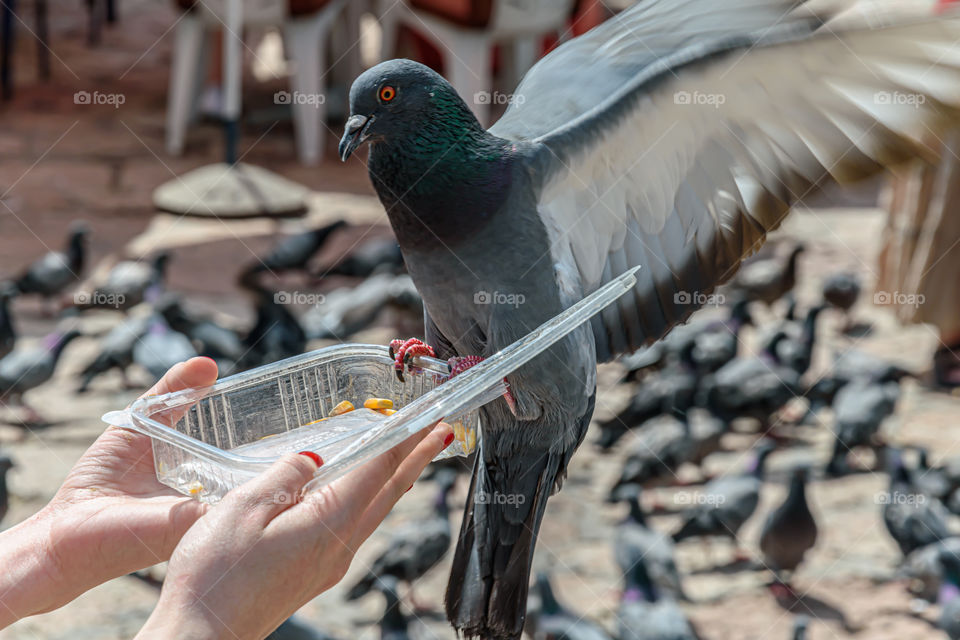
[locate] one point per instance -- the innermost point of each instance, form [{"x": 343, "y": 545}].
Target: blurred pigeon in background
[{"x": 54, "y": 272}]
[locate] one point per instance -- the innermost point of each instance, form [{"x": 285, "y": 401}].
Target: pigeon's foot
[
  {"x": 402, "y": 350},
  {"x": 459, "y": 364},
  {"x": 783, "y": 591},
  {"x": 741, "y": 555}
]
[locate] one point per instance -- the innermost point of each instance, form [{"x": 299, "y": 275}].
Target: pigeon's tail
[
  {"x": 362, "y": 588},
  {"x": 487, "y": 592},
  {"x": 698, "y": 525}
]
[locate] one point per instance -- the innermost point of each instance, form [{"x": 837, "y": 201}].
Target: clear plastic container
[{"x": 203, "y": 438}]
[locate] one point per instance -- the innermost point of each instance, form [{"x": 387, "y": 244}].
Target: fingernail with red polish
[
  {"x": 317, "y": 460},
  {"x": 448, "y": 440},
  {"x": 408, "y": 488}
]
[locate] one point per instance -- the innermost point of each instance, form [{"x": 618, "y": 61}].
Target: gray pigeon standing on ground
[
  {"x": 672, "y": 137},
  {"x": 789, "y": 532},
  {"x": 29, "y": 367},
  {"x": 51, "y": 274}
]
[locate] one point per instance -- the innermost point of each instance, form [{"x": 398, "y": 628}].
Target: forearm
[{"x": 30, "y": 581}]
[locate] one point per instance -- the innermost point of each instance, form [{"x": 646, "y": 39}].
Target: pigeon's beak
[{"x": 354, "y": 134}]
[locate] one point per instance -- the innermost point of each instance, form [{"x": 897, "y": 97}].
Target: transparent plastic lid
[{"x": 473, "y": 388}]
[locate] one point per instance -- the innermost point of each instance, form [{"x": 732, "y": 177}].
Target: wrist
[
  {"x": 31, "y": 580},
  {"x": 170, "y": 620}
]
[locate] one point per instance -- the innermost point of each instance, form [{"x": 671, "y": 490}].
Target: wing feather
[{"x": 699, "y": 152}]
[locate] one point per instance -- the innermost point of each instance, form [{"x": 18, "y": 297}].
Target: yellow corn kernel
[
  {"x": 309, "y": 423},
  {"x": 387, "y": 412},
  {"x": 341, "y": 408},
  {"x": 458, "y": 432},
  {"x": 378, "y": 403},
  {"x": 194, "y": 488},
  {"x": 471, "y": 441}
]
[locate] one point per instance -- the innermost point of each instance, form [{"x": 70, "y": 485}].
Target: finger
[
  {"x": 195, "y": 372},
  {"x": 275, "y": 490},
  {"x": 402, "y": 480},
  {"x": 363, "y": 484}
]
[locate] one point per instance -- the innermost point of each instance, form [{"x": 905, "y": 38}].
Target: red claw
[{"x": 402, "y": 350}]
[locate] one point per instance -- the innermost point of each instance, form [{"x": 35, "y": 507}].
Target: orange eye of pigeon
[{"x": 387, "y": 93}]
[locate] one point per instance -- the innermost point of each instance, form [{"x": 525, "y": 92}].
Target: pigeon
[
  {"x": 769, "y": 279},
  {"x": 394, "y": 624},
  {"x": 553, "y": 621},
  {"x": 795, "y": 348},
  {"x": 935, "y": 482},
  {"x": 292, "y": 252},
  {"x": 612, "y": 156},
  {"x": 800, "y": 625},
  {"x": 860, "y": 409},
  {"x": 375, "y": 256},
  {"x": 161, "y": 347},
  {"x": 671, "y": 391},
  {"x": 8, "y": 332},
  {"x": 635, "y": 542},
  {"x": 6, "y": 463},
  {"x": 54, "y": 272},
  {"x": 949, "y": 596},
  {"x": 726, "y": 503},
  {"x": 115, "y": 350},
  {"x": 841, "y": 291},
  {"x": 29, "y": 367},
  {"x": 645, "y": 614},
  {"x": 661, "y": 445},
  {"x": 345, "y": 311},
  {"x": 912, "y": 519},
  {"x": 849, "y": 366},
  {"x": 275, "y": 335},
  {"x": 209, "y": 338},
  {"x": 923, "y": 570},
  {"x": 719, "y": 342},
  {"x": 755, "y": 387},
  {"x": 127, "y": 284},
  {"x": 415, "y": 548},
  {"x": 789, "y": 531}
]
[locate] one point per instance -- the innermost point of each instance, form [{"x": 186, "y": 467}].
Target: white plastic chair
[
  {"x": 305, "y": 38},
  {"x": 466, "y": 52}
]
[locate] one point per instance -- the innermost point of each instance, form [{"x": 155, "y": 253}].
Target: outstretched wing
[{"x": 691, "y": 156}]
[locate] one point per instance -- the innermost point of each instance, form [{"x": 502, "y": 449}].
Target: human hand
[
  {"x": 111, "y": 516},
  {"x": 253, "y": 560}
]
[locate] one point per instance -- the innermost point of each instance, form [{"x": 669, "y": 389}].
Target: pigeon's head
[{"x": 397, "y": 100}]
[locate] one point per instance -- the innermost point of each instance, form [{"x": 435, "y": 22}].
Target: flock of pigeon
[
  {"x": 157, "y": 330},
  {"x": 689, "y": 390}
]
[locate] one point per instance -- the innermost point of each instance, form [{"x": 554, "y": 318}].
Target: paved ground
[{"x": 60, "y": 161}]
